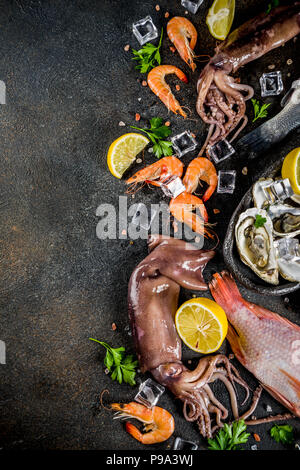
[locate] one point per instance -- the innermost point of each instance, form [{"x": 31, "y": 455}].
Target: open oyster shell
[
  {"x": 256, "y": 245},
  {"x": 285, "y": 219}
]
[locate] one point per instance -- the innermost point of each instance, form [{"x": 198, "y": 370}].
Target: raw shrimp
[
  {"x": 182, "y": 209},
  {"x": 159, "y": 171},
  {"x": 157, "y": 83},
  {"x": 201, "y": 169},
  {"x": 158, "y": 422},
  {"x": 180, "y": 31}
]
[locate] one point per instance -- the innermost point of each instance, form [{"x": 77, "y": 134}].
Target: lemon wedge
[
  {"x": 201, "y": 324},
  {"x": 220, "y": 17},
  {"x": 123, "y": 152},
  {"x": 291, "y": 169}
]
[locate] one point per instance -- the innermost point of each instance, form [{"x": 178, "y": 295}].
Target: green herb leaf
[
  {"x": 230, "y": 437},
  {"x": 157, "y": 133},
  {"x": 148, "y": 56},
  {"x": 122, "y": 368},
  {"x": 260, "y": 111},
  {"x": 259, "y": 221},
  {"x": 273, "y": 4},
  {"x": 282, "y": 434}
]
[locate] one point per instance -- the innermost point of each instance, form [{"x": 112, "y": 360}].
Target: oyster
[
  {"x": 255, "y": 244},
  {"x": 285, "y": 219}
]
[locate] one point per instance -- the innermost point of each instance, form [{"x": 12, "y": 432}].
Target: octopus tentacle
[
  {"x": 215, "y": 401},
  {"x": 231, "y": 392}
]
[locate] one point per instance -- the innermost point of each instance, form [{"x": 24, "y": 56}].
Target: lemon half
[
  {"x": 291, "y": 169},
  {"x": 220, "y": 17},
  {"x": 201, "y": 324},
  {"x": 123, "y": 152}
]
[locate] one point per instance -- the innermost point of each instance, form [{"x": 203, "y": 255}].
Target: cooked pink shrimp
[
  {"x": 159, "y": 424},
  {"x": 201, "y": 169},
  {"x": 159, "y": 171},
  {"x": 182, "y": 209},
  {"x": 157, "y": 83},
  {"x": 180, "y": 31}
]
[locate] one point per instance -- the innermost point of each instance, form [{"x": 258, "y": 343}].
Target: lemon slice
[
  {"x": 123, "y": 152},
  {"x": 201, "y": 324},
  {"x": 220, "y": 17},
  {"x": 291, "y": 169}
]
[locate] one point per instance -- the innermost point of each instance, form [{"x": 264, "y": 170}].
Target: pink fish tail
[{"x": 225, "y": 291}]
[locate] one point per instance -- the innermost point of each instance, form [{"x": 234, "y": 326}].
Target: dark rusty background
[{"x": 69, "y": 83}]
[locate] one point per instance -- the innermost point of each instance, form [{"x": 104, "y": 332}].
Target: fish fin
[
  {"x": 295, "y": 383},
  {"x": 281, "y": 398},
  {"x": 257, "y": 141},
  {"x": 224, "y": 290},
  {"x": 262, "y": 312},
  {"x": 234, "y": 341}
]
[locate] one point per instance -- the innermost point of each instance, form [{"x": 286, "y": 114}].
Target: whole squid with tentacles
[
  {"x": 221, "y": 100},
  {"x": 152, "y": 303}
]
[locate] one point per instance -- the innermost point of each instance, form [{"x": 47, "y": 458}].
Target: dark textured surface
[
  {"x": 69, "y": 82},
  {"x": 231, "y": 256}
]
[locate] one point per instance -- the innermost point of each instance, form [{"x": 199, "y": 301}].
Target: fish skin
[
  {"x": 272, "y": 131},
  {"x": 267, "y": 344}
]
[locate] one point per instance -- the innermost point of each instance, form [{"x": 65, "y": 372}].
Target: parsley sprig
[
  {"x": 273, "y": 4},
  {"x": 259, "y": 221},
  {"x": 260, "y": 110},
  {"x": 282, "y": 434},
  {"x": 148, "y": 56},
  {"x": 122, "y": 367},
  {"x": 230, "y": 437},
  {"x": 157, "y": 133}
]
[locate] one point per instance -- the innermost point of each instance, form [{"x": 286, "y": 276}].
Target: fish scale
[{"x": 262, "y": 341}]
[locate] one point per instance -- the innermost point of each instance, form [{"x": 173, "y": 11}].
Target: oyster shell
[
  {"x": 285, "y": 219},
  {"x": 256, "y": 245}
]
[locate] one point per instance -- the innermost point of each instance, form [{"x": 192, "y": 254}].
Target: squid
[
  {"x": 152, "y": 303},
  {"x": 221, "y": 100}
]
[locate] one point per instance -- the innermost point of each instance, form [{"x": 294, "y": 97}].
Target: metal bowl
[{"x": 232, "y": 259}]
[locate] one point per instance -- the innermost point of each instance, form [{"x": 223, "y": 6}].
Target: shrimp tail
[{"x": 134, "y": 431}]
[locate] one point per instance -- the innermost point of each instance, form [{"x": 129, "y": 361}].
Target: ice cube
[
  {"x": 279, "y": 190},
  {"x": 183, "y": 143},
  {"x": 288, "y": 248},
  {"x": 172, "y": 186},
  {"x": 182, "y": 444},
  {"x": 221, "y": 151},
  {"x": 191, "y": 6},
  {"x": 271, "y": 84},
  {"x": 149, "y": 393},
  {"x": 254, "y": 447},
  {"x": 141, "y": 217},
  {"x": 145, "y": 30},
  {"x": 226, "y": 181}
]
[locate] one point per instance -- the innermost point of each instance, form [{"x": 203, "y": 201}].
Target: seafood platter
[
  {"x": 261, "y": 247},
  {"x": 159, "y": 292}
]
